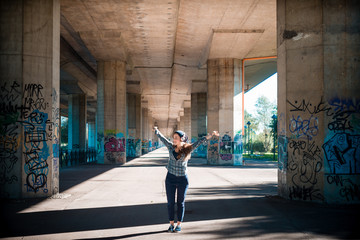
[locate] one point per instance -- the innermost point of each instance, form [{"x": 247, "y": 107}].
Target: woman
[{"x": 176, "y": 178}]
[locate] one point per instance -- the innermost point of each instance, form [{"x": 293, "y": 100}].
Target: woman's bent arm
[
  {"x": 198, "y": 143},
  {"x": 204, "y": 139}
]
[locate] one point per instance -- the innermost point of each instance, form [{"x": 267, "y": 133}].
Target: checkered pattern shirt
[{"x": 178, "y": 167}]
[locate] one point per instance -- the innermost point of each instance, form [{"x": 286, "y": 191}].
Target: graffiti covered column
[
  {"x": 198, "y": 122},
  {"x": 29, "y": 98},
  {"x": 151, "y": 123},
  {"x": 111, "y": 112},
  {"x": 134, "y": 125},
  {"x": 319, "y": 103},
  {"x": 223, "y": 74},
  {"x": 91, "y": 131},
  {"x": 144, "y": 128},
  {"x": 77, "y": 121}
]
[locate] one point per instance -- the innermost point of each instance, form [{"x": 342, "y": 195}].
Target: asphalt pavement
[{"x": 129, "y": 202}]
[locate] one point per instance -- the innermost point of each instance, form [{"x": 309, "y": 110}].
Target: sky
[{"x": 267, "y": 88}]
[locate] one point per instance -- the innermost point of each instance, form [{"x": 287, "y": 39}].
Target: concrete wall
[
  {"x": 29, "y": 98},
  {"x": 318, "y": 100}
]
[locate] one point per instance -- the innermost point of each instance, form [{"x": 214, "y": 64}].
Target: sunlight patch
[{"x": 60, "y": 196}]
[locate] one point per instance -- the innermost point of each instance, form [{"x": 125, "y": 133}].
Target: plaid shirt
[{"x": 178, "y": 167}]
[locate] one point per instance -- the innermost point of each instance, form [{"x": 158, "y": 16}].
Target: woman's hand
[{"x": 214, "y": 133}]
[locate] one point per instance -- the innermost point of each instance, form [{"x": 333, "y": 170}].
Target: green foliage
[
  {"x": 258, "y": 146},
  {"x": 265, "y": 156},
  {"x": 248, "y": 117},
  {"x": 264, "y": 111}
]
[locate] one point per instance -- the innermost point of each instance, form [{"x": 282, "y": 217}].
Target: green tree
[
  {"x": 248, "y": 117},
  {"x": 273, "y": 127},
  {"x": 264, "y": 111},
  {"x": 249, "y": 136}
]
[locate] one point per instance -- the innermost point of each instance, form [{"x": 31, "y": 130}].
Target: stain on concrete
[{"x": 289, "y": 34}]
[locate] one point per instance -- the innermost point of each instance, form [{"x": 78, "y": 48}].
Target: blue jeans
[{"x": 172, "y": 183}]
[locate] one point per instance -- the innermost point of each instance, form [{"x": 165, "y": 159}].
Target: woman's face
[{"x": 177, "y": 139}]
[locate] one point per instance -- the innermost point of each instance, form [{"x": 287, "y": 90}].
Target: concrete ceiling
[{"x": 166, "y": 44}]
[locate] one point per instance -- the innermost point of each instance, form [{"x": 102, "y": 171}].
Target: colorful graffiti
[
  {"x": 113, "y": 144},
  {"x": 304, "y": 128},
  {"x": 299, "y": 155},
  {"x": 282, "y": 153},
  {"x": 201, "y": 150},
  {"x": 226, "y": 148},
  {"x": 29, "y": 108},
  {"x": 304, "y": 164},
  {"x": 238, "y": 144},
  {"x": 213, "y": 151},
  {"x": 344, "y": 115},
  {"x": 144, "y": 146},
  {"x": 345, "y": 186},
  {"x": 10, "y": 108},
  {"x": 100, "y": 144},
  {"x": 342, "y": 152},
  {"x": 337, "y": 158},
  {"x": 36, "y": 150},
  {"x": 133, "y": 148},
  {"x": 342, "y": 149},
  {"x": 238, "y": 150},
  {"x": 114, "y": 147}
]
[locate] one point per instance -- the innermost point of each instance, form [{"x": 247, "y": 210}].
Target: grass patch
[{"x": 262, "y": 156}]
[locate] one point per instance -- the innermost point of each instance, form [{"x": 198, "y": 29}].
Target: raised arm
[
  {"x": 203, "y": 139},
  {"x": 166, "y": 142}
]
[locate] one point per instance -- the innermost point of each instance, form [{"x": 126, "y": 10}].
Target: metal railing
[{"x": 75, "y": 157}]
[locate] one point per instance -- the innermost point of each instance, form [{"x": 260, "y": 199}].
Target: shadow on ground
[
  {"x": 250, "y": 212},
  {"x": 253, "y": 216}
]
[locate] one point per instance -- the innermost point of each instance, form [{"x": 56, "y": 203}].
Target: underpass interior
[{"x": 116, "y": 69}]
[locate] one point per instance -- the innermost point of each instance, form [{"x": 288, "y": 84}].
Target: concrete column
[
  {"x": 145, "y": 131},
  {"x": 223, "y": 75},
  {"x": 91, "y": 134},
  {"x": 198, "y": 122},
  {"x": 151, "y": 133},
  {"x": 181, "y": 125},
  {"x": 77, "y": 122},
  {"x": 318, "y": 100},
  {"x": 187, "y": 121},
  {"x": 29, "y": 98},
  {"x": 111, "y": 112},
  {"x": 134, "y": 125}
]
